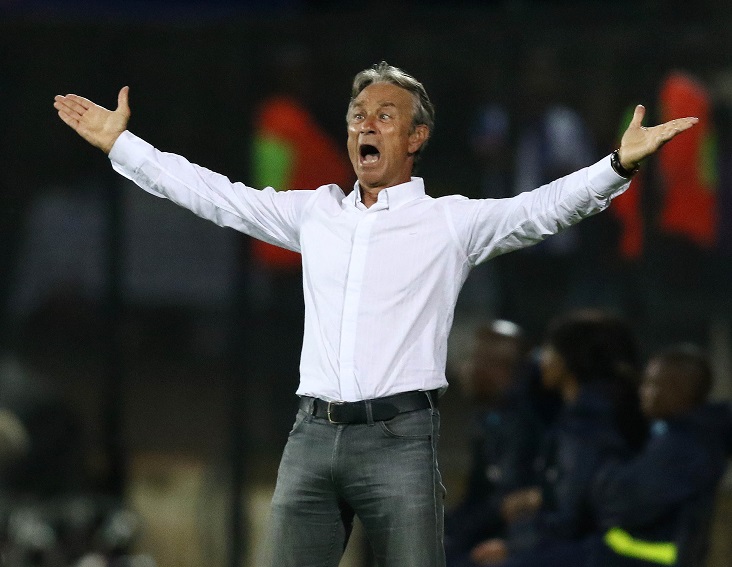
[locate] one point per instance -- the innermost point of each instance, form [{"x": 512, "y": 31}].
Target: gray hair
[{"x": 423, "y": 109}]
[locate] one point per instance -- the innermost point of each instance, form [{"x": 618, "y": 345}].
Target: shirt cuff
[
  {"x": 604, "y": 180},
  {"x": 127, "y": 149}
]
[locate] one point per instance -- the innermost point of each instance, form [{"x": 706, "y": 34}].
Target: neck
[{"x": 369, "y": 196}]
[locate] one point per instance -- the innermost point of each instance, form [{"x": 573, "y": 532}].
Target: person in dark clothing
[
  {"x": 657, "y": 507},
  {"x": 505, "y": 437},
  {"x": 591, "y": 359}
]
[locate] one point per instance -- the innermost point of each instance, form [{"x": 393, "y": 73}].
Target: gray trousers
[{"x": 385, "y": 472}]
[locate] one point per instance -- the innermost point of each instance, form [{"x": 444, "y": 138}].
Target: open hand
[
  {"x": 97, "y": 125},
  {"x": 639, "y": 142}
]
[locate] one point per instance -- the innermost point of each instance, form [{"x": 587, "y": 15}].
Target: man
[
  {"x": 505, "y": 437},
  {"x": 589, "y": 357},
  {"x": 657, "y": 507},
  {"x": 382, "y": 268}
]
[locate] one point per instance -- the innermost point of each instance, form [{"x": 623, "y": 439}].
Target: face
[
  {"x": 663, "y": 392},
  {"x": 553, "y": 368},
  {"x": 489, "y": 372},
  {"x": 381, "y": 139}
]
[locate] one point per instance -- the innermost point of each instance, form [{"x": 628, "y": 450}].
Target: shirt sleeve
[
  {"x": 268, "y": 215},
  {"x": 487, "y": 228}
]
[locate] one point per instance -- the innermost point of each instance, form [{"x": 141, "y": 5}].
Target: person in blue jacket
[
  {"x": 657, "y": 507},
  {"x": 504, "y": 439},
  {"x": 591, "y": 359}
]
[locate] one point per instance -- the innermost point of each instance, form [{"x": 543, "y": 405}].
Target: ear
[{"x": 418, "y": 137}]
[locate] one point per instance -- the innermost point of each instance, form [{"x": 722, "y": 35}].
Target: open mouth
[{"x": 369, "y": 154}]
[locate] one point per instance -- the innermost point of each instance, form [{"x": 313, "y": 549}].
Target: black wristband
[{"x": 618, "y": 167}]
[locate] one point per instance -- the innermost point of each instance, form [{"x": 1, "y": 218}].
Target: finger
[
  {"x": 69, "y": 119},
  {"x": 62, "y": 105},
  {"x": 685, "y": 123},
  {"x": 73, "y": 105},
  {"x": 59, "y": 102},
  {"x": 638, "y": 115},
  {"x": 123, "y": 99},
  {"x": 80, "y": 100},
  {"x": 674, "y": 127}
]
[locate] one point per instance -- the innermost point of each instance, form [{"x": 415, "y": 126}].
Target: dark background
[{"x": 142, "y": 320}]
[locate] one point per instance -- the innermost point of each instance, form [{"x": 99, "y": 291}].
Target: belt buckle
[{"x": 330, "y": 418}]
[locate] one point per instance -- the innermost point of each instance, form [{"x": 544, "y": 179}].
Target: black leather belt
[{"x": 382, "y": 409}]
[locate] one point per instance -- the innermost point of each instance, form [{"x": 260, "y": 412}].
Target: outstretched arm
[
  {"x": 266, "y": 215},
  {"x": 490, "y": 227},
  {"x": 639, "y": 142},
  {"x": 97, "y": 125}
]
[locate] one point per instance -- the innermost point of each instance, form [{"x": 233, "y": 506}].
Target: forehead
[{"x": 384, "y": 94}]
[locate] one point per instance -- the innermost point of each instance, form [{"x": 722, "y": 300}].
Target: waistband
[{"x": 368, "y": 411}]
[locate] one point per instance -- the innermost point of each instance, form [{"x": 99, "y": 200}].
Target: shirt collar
[{"x": 392, "y": 197}]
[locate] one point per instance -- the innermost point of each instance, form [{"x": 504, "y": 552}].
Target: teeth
[{"x": 371, "y": 158}]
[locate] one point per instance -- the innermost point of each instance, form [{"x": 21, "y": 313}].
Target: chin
[{"x": 369, "y": 182}]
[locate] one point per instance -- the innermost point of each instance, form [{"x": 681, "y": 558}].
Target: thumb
[
  {"x": 123, "y": 99},
  {"x": 638, "y": 115}
]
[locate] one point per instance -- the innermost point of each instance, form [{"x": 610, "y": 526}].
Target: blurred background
[{"x": 148, "y": 359}]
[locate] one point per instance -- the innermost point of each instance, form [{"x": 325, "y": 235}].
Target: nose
[{"x": 368, "y": 126}]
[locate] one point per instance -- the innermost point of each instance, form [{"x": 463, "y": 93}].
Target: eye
[
  {"x": 357, "y": 116},
  {"x": 384, "y": 116}
]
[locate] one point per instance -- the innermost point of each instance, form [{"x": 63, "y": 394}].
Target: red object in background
[
  {"x": 686, "y": 167},
  {"x": 685, "y": 164},
  {"x": 316, "y": 160},
  {"x": 627, "y": 208}
]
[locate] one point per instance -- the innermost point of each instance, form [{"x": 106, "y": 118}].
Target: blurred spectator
[
  {"x": 688, "y": 171},
  {"x": 290, "y": 150},
  {"x": 591, "y": 358},
  {"x": 657, "y": 507},
  {"x": 687, "y": 180},
  {"x": 552, "y": 140},
  {"x": 491, "y": 145},
  {"x": 504, "y": 441},
  {"x": 680, "y": 227}
]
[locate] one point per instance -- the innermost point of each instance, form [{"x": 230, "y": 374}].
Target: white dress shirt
[{"x": 380, "y": 283}]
